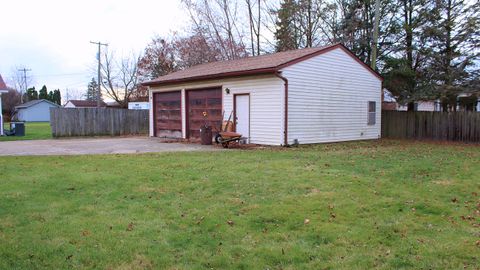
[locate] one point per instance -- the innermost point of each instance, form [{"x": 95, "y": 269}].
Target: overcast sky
[{"x": 51, "y": 37}]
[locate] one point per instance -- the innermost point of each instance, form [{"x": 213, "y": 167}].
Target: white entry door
[{"x": 242, "y": 115}]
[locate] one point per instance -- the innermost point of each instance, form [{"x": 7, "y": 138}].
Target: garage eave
[{"x": 212, "y": 77}]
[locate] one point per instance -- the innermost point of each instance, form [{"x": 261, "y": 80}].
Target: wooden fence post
[
  {"x": 451, "y": 126},
  {"x": 68, "y": 122}
]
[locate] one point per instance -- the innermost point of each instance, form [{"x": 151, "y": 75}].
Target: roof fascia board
[{"x": 262, "y": 71}]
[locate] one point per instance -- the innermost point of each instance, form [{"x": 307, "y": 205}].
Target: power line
[
  {"x": 24, "y": 70},
  {"x": 99, "y": 94},
  {"x": 63, "y": 75}
]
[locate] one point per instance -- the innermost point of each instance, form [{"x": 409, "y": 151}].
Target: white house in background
[
  {"x": 138, "y": 105},
  {"x": 424, "y": 106},
  {"x": 35, "y": 111},
  {"x": 83, "y": 104},
  {"x": 390, "y": 104},
  {"x": 3, "y": 90},
  {"x": 312, "y": 95}
]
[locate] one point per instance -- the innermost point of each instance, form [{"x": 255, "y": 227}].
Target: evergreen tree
[
  {"x": 30, "y": 95},
  {"x": 57, "y": 97},
  {"x": 286, "y": 35},
  {"x": 43, "y": 93},
  {"x": 92, "y": 89},
  {"x": 356, "y": 27},
  {"x": 454, "y": 49},
  {"x": 50, "y": 96},
  {"x": 404, "y": 71}
]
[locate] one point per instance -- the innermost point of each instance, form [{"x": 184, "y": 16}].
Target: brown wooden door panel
[
  {"x": 200, "y": 101},
  {"x": 168, "y": 114}
]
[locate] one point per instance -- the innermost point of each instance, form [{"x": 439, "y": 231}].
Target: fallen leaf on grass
[
  {"x": 200, "y": 220},
  {"x": 130, "y": 227},
  {"x": 230, "y": 222},
  {"x": 86, "y": 233}
]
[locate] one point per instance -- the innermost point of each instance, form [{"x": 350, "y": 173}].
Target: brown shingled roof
[
  {"x": 3, "y": 86},
  {"x": 264, "y": 64}
]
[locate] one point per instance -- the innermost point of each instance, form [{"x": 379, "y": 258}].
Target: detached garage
[{"x": 312, "y": 95}]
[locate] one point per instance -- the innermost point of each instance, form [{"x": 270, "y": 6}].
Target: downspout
[
  {"x": 285, "y": 138},
  {"x": 151, "y": 115}
]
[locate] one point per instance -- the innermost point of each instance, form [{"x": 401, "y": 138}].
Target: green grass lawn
[
  {"x": 361, "y": 205},
  {"x": 33, "y": 131}
]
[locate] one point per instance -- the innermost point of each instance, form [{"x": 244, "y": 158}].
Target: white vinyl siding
[
  {"x": 328, "y": 99},
  {"x": 69, "y": 105},
  {"x": 422, "y": 106},
  {"x": 266, "y": 104},
  {"x": 39, "y": 112}
]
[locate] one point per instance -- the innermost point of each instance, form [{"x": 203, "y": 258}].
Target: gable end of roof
[
  {"x": 33, "y": 103},
  {"x": 331, "y": 48}
]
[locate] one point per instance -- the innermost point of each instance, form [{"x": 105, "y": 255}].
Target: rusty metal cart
[{"x": 225, "y": 138}]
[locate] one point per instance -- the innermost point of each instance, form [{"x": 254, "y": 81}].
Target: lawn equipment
[{"x": 224, "y": 136}]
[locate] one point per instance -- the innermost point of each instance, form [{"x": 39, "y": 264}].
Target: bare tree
[
  {"x": 158, "y": 59},
  {"x": 9, "y": 100},
  {"x": 163, "y": 56},
  {"x": 17, "y": 79},
  {"x": 218, "y": 21},
  {"x": 194, "y": 50},
  {"x": 120, "y": 77},
  {"x": 255, "y": 22}
]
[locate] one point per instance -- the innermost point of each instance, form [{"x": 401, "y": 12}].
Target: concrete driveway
[{"x": 94, "y": 146}]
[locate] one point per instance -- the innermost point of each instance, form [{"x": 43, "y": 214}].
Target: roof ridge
[
  {"x": 262, "y": 56},
  {"x": 250, "y": 59},
  {"x": 34, "y": 102}
]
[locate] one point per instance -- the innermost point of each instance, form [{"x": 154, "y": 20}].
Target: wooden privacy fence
[
  {"x": 451, "y": 126},
  {"x": 68, "y": 122}
]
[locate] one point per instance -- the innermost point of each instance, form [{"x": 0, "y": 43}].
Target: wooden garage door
[
  {"x": 168, "y": 114},
  {"x": 200, "y": 101}
]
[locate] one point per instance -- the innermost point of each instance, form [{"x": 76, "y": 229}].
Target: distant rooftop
[
  {"x": 86, "y": 103},
  {"x": 3, "y": 86},
  {"x": 33, "y": 103}
]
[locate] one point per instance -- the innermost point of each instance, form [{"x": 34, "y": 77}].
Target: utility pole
[
  {"x": 375, "y": 35},
  {"x": 68, "y": 96},
  {"x": 24, "y": 70},
  {"x": 99, "y": 58}
]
